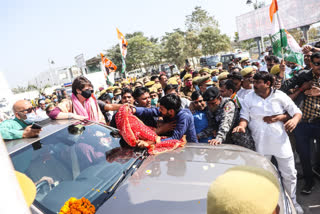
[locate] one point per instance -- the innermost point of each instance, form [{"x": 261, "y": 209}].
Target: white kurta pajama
[{"x": 272, "y": 139}]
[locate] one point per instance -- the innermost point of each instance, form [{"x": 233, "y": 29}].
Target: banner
[
  {"x": 283, "y": 43},
  {"x": 295, "y": 13}
]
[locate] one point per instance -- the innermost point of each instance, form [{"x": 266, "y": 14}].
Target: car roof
[
  {"x": 48, "y": 127},
  {"x": 178, "y": 181}
]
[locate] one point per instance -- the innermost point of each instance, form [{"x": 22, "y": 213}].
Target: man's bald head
[
  {"x": 21, "y": 105},
  {"x": 20, "y": 109}
]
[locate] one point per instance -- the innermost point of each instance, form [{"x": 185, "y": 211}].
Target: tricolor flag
[
  {"x": 283, "y": 43},
  {"x": 110, "y": 68},
  {"x": 123, "y": 43}
]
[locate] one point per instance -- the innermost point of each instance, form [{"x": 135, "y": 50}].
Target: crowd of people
[{"x": 271, "y": 108}]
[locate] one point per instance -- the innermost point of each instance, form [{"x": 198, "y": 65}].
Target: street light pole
[{"x": 258, "y": 39}]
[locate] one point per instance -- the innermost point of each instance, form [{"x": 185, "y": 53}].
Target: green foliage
[
  {"x": 174, "y": 45},
  {"x": 202, "y": 37},
  {"x": 200, "y": 19},
  {"x": 213, "y": 42}
]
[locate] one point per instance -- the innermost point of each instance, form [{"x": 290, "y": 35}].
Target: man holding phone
[{"x": 21, "y": 126}]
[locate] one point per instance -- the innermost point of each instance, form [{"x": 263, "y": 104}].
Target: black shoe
[
  {"x": 307, "y": 188},
  {"x": 316, "y": 171}
]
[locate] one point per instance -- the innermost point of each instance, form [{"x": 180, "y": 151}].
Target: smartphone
[{"x": 36, "y": 126}]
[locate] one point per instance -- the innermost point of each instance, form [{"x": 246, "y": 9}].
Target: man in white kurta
[{"x": 263, "y": 111}]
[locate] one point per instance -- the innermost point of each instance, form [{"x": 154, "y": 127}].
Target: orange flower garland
[{"x": 77, "y": 206}]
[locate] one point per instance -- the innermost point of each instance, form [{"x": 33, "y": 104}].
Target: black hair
[
  {"x": 153, "y": 78},
  {"x": 315, "y": 55},
  {"x": 228, "y": 84},
  {"x": 195, "y": 95},
  {"x": 106, "y": 97},
  {"x": 195, "y": 73},
  {"x": 140, "y": 91},
  {"x": 171, "y": 101},
  {"x": 234, "y": 68},
  {"x": 161, "y": 76},
  {"x": 79, "y": 83},
  {"x": 265, "y": 76},
  {"x": 235, "y": 75},
  {"x": 169, "y": 87},
  {"x": 272, "y": 58},
  {"x": 126, "y": 90}
]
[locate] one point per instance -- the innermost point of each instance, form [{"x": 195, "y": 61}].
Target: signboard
[
  {"x": 293, "y": 14},
  {"x": 80, "y": 61}
]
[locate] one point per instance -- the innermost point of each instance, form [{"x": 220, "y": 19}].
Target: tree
[
  {"x": 296, "y": 33},
  {"x": 174, "y": 44},
  {"x": 212, "y": 41},
  {"x": 192, "y": 45},
  {"x": 200, "y": 19},
  {"x": 313, "y": 34}
]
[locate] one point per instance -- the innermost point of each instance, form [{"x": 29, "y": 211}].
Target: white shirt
[
  {"x": 243, "y": 92},
  {"x": 270, "y": 139},
  {"x": 42, "y": 114}
]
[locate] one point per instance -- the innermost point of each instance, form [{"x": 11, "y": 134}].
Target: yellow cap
[
  {"x": 204, "y": 79},
  {"x": 243, "y": 190},
  {"x": 202, "y": 70},
  {"x": 153, "y": 90},
  {"x": 223, "y": 75},
  {"x": 215, "y": 71},
  {"x": 246, "y": 71},
  {"x": 244, "y": 59},
  {"x": 110, "y": 88},
  {"x": 275, "y": 69},
  {"x": 150, "y": 83},
  {"x": 27, "y": 186},
  {"x": 172, "y": 81},
  {"x": 125, "y": 82},
  {"x": 187, "y": 76},
  {"x": 219, "y": 64},
  {"x": 157, "y": 86},
  {"x": 47, "y": 101}
]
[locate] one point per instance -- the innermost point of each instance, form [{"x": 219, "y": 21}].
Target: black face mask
[{"x": 87, "y": 93}]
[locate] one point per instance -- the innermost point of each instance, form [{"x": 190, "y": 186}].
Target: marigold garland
[{"x": 77, "y": 206}]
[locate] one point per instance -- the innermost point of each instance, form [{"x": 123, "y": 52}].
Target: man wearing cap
[
  {"x": 41, "y": 111},
  {"x": 204, "y": 71},
  {"x": 223, "y": 76},
  {"x": 188, "y": 87},
  {"x": 203, "y": 83},
  {"x": 149, "y": 84},
  {"x": 219, "y": 66},
  {"x": 244, "y": 62},
  {"x": 260, "y": 112},
  {"x": 222, "y": 117},
  {"x": 247, "y": 86}
]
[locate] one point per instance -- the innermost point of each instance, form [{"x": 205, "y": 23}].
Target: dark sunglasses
[
  {"x": 200, "y": 101},
  {"x": 29, "y": 110},
  {"x": 316, "y": 63}
]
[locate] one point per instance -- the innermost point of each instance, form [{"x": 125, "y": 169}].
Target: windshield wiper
[{"x": 130, "y": 169}]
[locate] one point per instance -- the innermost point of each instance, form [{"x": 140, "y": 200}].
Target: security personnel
[
  {"x": 223, "y": 116},
  {"x": 188, "y": 88}
]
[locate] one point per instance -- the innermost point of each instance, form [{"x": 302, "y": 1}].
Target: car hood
[{"x": 178, "y": 181}]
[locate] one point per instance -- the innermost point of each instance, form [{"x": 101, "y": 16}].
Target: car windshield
[
  {"x": 212, "y": 59},
  {"x": 81, "y": 160}
]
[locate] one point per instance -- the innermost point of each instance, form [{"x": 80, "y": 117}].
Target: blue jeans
[{"x": 304, "y": 133}]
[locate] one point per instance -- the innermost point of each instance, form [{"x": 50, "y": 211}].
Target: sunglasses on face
[
  {"x": 199, "y": 101},
  {"x": 27, "y": 111},
  {"x": 316, "y": 63}
]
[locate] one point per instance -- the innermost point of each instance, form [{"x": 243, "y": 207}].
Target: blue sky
[{"x": 35, "y": 30}]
